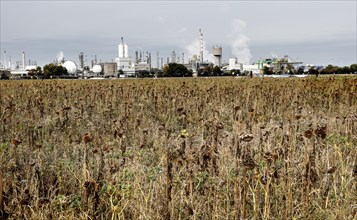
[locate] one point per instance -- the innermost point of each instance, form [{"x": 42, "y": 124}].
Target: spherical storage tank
[
  {"x": 97, "y": 69},
  {"x": 70, "y": 66}
]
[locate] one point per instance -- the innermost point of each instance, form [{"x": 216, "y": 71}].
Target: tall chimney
[
  {"x": 23, "y": 60},
  {"x": 5, "y": 61},
  {"x": 201, "y": 45}
]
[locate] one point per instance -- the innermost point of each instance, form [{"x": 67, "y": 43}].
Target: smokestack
[
  {"x": 201, "y": 45},
  {"x": 23, "y": 60},
  {"x": 5, "y": 66}
]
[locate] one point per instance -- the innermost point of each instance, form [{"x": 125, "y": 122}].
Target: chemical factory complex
[{"x": 125, "y": 65}]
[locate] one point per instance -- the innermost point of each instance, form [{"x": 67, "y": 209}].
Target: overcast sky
[{"x": 314, "y": 32}]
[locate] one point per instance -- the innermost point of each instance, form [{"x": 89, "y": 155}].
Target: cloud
[
  {"x": 239, "y": 42},
  {"x": 161, "y": 19}
]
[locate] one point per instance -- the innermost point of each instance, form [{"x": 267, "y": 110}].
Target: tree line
[
  {"x": 315, "y": 70},
  {"x": 180, "y": 70}
]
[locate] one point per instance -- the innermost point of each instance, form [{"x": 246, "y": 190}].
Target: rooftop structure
[{"x": 217, "y": 53}]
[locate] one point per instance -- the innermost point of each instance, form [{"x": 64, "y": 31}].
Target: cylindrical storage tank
[
  {"x": 31, "y": 67},
  {"x": 217, "y": 51},
  {"x": 70, "y": 66},
  {"x": 97, "y": 69},
  {"x": 217, "y": 60},
  {"x": 126, "y": 51},
  {"x": 121, "y": 50}
]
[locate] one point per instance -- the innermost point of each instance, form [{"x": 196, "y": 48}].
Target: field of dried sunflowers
[{"x": 221, "y": 148}]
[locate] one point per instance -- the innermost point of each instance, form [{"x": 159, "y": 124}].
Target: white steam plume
[
  {"x": 194, "y": 48},
  {"x": 60, "y": 57},
  {"x": 240, "y": 42}
]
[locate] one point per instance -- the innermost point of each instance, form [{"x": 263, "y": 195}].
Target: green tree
[
  {"x": 205, "y": 70},
  {"x": 144, "y": 73},
  {"x": 300, "y": 70},
  {"x": 165, "y": 71},
  {"x": 331, "y": 69},
  {"x": 267, "y": 71},
  {"x": 345, "y": 70},
  {"x": 35, "y": 72},
  {"x": 176, "y": 70},
  {"x": 235, "y": 72},
  {"x": 313, "y": 71},
  {"x": 353, "y": 68},
  {"x": 217, "y": 71},
  {"x": 53, "y": 70},
  {"x": 120, "y": 72}
]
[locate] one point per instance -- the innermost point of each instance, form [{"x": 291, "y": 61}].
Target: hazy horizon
[{"x": 314, "y": 32}]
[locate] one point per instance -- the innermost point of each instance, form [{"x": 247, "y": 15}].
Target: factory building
[
  {"x": 276, "y": 64},
  {"x": 109, "y": 69},
  {"x": 243, "y": 68},
  {"x": 254, "y": 69},
  {"x": 21, "y": 68},
  {"x": 123, "y": 60},
  {"x": 142, "y": 66},
  {"x": 234, "y": 65}
]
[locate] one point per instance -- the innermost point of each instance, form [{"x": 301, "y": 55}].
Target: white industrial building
[
  {"x": 251, "y": 68},
  {"x": 123, "y": 60},
  {"x": 20, "y": 70},
  {"x": 234, "y": 65}
]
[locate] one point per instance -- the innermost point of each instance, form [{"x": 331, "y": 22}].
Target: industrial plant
[{"x": 124, "y": 65}]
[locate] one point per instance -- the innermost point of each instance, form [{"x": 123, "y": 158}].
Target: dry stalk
[
  {"x": 267, "y": 194},
  {"x": 1, "y": 196},
  {"x": 236, "y": 183},
  {"x": 244, "y": 199},
  {"x": 213, "y": 149},
  {"x": 327, "y": 190},
  {"x": 308, "y": 182},
  {"x": 99, "y": 179},
  {"x": 310, "y": 175},
  {"x": 168, "y": 184},
  {"x": 288, "y": 203}
]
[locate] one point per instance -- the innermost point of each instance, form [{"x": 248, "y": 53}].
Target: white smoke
[
  {"x": 240, "y": 42},
  {"x": 194, "y": 49},
  {"x": 60, "y": 57}
]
